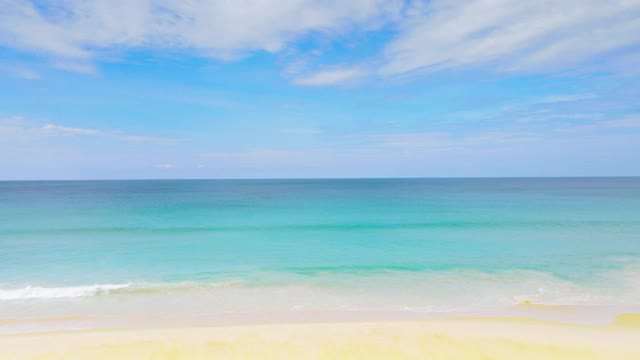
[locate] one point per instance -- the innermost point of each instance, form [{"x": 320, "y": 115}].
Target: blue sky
[{"x": 296, "y": 88}]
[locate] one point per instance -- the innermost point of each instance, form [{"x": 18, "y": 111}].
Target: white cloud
[
  {"x": 21, "y": 72},
  {"x": 505, "y": 35},
  {"x": 430, "y": 35},
  {"x": 82, "y": 67},
  {"x": 626, "y": 122},
  {"x": 513, "y": 34},
  {"x": 329, "y": 77},
  {"x": 18, "y": 129},
  {"x": 164, "y": 166},
  {"x": 539, "y": 109},
  {"x": 554, "y": 99},
  {"x": 53, "y": 129},
  {"x": 75, "y": 31},
  {"x": 62, "y": 130},
  {"x": 443, "y": 141}
]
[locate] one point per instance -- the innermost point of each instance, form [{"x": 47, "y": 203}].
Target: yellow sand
[{"x": 430, "y": 339}]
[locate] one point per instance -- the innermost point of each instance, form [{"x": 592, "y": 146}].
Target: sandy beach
[
  {"x": 304, "y": 179},
  {"x": 432, "y": 339}
]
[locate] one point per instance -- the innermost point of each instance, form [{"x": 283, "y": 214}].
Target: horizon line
[{"x": 338, "y": 178}]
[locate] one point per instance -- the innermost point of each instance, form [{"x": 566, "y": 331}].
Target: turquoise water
[{"x": 361, "y": 243}]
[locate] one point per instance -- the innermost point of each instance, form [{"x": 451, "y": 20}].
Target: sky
[{"x": 139, "y": 89}]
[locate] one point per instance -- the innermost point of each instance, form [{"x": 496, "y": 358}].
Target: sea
[{"x": 124, "y": 252}]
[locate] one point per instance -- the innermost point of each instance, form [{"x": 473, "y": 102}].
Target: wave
[
  {"x": 68, "y": 292},
  {"x": 396, "y": 284},
  {"x": 36, "y": 292}
]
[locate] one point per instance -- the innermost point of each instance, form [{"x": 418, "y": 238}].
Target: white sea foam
[{"x": 36, "y": 292}]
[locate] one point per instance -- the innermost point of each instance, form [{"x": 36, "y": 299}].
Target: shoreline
[
  {"x": 453, "y": 338},
  {"x": 179, "y": 318}
]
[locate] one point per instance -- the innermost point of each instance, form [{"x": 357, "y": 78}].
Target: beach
[
  {"x": 359, "y": 268},
  {"x": 300, "y": 179},
  {"x": 427, "y": 339}
]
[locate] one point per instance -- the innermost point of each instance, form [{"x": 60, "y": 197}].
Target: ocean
[{"x": 211, "y": 248}]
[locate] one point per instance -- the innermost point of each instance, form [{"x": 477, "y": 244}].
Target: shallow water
[{"x": 426, "y": 245}]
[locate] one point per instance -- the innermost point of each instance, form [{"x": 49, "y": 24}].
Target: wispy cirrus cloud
[
  {"x": 330, "y": 77},
  {"x": 626, "y": 122},
  {"x": 629, "y": 124},
  {"x": 427, "y": 36},
  {"x": 444, "y": 141},
  {"x": 58, "y": 130},
  {"x": 74, "y": 33},
  {"x": 81, "y": 67},
  {"x": 63, "y": 130},
  {"x": 563, "y": 98},
  {"x": 503, "y": 36},
  {"x": 510, "y": 34},
  {"x": 18, "y": 129},
  {"x": 540, "y": 109},
  {"x": 21, "y": 71}
]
